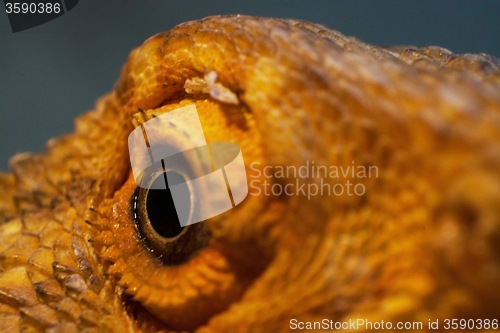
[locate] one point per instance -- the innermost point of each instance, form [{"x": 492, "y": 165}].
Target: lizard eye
[
  {"x": 182, "y": 276},
  {"x": 159, "y": 223},
  {"x": 160, "y": 208}
]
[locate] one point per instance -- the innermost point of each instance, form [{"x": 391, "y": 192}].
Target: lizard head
[{"x": 80, "y": 242}]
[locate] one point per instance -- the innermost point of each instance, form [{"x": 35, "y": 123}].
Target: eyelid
[{"x": 150, "y": 142}]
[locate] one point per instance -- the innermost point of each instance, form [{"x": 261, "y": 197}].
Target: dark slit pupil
[{"x": 161, "y": 208}]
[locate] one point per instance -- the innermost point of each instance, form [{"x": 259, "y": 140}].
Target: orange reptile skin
[{"x": 421, "y": 243}]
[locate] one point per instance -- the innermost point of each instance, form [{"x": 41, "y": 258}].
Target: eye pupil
[
  {"x": 161, "y": 208},
  {"x": 159, "y": 217}
]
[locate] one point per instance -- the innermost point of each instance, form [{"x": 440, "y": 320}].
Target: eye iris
[{"x": 160, "y": 205}]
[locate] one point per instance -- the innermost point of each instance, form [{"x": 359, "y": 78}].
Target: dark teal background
[{"x": 51, "y": 73}]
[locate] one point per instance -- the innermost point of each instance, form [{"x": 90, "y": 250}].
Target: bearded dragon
[{"x": 78, "y": 252}]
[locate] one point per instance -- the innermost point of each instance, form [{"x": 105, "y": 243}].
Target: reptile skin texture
[{"x": 422, "y": 243}]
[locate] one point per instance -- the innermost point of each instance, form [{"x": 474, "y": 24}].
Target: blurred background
[{"x": 53, "y": 72}]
